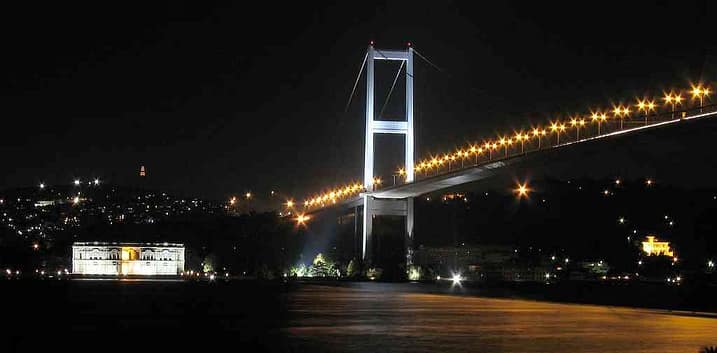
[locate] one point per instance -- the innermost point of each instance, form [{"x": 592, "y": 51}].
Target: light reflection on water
[{"x": 378, "y": 318}]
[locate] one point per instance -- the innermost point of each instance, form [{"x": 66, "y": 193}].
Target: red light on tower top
[{"x": 408, "y": 44}]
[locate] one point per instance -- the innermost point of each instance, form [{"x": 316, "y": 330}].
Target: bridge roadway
[{"x": 488, "y": 169}]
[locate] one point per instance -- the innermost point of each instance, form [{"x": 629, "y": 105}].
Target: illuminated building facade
[
  {"x": 654, "y": 247},
  {"x": 146, "y": 259}
]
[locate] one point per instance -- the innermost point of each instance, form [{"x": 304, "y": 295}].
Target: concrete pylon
[{"x": 374, "y": 125}]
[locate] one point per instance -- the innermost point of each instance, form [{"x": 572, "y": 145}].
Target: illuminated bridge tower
[{"x": 374, "y": 125}]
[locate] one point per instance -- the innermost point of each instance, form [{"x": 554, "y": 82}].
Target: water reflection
[{"x": 379, "y": 317}]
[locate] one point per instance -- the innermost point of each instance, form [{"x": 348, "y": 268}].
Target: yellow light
[
  {"x": 696, "y": 91},
  {"x": 247, "y": 195},
  {"x": 301, "y": 219},
  {"x": 289, "y": 204},
  {"x": 522, "y": 190},
  {"x": 553, "y": 127},
  {"x": 641, "y": 104}
]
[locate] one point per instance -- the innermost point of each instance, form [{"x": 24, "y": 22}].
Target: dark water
[{"x": 364, "y": 317}]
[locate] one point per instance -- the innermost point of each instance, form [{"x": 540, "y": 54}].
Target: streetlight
[
  {"x": 700, "y": 92},
  {"x": 289, "y": 204},
  {"x": 598, "y": 118},
  {"x": 673, "y": 99},
  {"x": 476, "y": 151},
  {"x": 77, "y": 182},
  {"x": 506, "y": 142},
  {"x": 646, "y": 107},
  {"x": 521, "y": 137},
  {"x": 42, "y": 186},
  {"x": 577, "y": 124},
  {"x": 301, "y": 219},
  {"x": 400, "y": 172},
  {"x": 621, "y": 113},
  {"x": 539, "y": 134},
  {"x": 557, "y": 129}
]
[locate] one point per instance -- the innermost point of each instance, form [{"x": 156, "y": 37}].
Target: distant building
[
  {"x": 466, "y": 259},
  {"x": 115, "y": 259},
  {"x": 593, "y": 269},
  {"x": 658, "y": 248},
  {"x": 142, "y": 171}
]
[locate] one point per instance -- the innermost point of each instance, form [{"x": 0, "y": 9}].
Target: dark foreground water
[{"x": 364, "y": 317}]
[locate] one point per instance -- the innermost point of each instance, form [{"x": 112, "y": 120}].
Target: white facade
[{"x": 147, "y": 259}]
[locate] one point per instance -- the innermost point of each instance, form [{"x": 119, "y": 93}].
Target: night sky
[{"x": 217, "y": 99}]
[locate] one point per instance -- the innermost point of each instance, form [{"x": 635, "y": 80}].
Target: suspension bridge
[{"x": 482, "y": 159}]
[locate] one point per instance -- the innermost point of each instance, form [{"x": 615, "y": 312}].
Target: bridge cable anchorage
[
  {"x": 395, "y": 79},
  {"x": 358, "y": 78}
]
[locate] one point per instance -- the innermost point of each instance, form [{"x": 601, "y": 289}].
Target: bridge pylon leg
[
  {"x": 367, "y": 238},
  {"x": 409, "y": 233}
]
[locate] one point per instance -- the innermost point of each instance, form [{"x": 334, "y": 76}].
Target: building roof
[{"x": 104, "y": 243}]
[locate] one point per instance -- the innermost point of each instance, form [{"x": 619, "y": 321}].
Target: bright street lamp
[
  {"x": 646, "y": 107},
  {"x": 674, "y": 100},
  {"x": 700, "y": 92},
  {"x": 577, "y": 124},
  {"x": 557, "y": 129},
  {"x": 598, "y": 118},
  {"x": 621, "y": 113},
  {"x": 522, "y": 190},
  {"x": 539, "y": 134},
  {"x": 521, "y": 137}
]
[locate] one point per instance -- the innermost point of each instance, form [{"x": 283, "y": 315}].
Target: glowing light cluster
[
  {"x": 334, "y": 195},
  {"x": 554, "y": 130},
  {"x": 537, "y": 135}
]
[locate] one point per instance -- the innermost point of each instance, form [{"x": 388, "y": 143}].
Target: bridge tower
[{"x": 374, "y": 125}]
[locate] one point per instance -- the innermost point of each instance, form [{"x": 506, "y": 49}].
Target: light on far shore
[
  {"x": 522, "y": 190},
  {"x": 77, "y": 182}
]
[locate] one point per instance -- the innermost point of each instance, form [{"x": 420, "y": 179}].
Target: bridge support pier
[{"x": 386, "y": 207}]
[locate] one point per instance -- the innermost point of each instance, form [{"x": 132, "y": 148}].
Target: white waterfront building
[{"x": 147, "y": 259}]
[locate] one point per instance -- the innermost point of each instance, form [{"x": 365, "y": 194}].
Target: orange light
[{"x": 522, "y": 190}]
